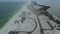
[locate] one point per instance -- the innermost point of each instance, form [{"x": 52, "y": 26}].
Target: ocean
[{"x": 8, "y": 9}]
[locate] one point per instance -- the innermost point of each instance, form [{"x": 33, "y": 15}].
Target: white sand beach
[{"x": 28, "y": 23}]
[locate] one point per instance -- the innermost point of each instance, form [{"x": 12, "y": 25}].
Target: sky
[
  {"x": 39, "y": 1},
  {"x": 30, "y": 0}
]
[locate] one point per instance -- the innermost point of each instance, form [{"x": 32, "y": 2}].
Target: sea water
[{"x": 8, "y": 9}]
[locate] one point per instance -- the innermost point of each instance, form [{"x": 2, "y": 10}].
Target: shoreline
[
  {"x": 42, "y": 19},
  {"x": 9, "y": 16},
  {"x": 16, "y": 15}
]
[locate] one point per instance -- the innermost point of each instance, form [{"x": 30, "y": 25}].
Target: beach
[{"x": 31, "y": 24}]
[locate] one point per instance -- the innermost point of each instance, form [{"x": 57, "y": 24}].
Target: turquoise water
[{"x": 7, "y": 10}]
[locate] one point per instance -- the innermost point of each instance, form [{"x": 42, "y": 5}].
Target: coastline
[
  {"x": 42, "y": 19},
  {"x": 4, "y": 19},
  {"x": 8, "y": 23}
]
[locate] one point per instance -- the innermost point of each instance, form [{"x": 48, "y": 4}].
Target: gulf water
[{"x": 8, "y": 9}]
